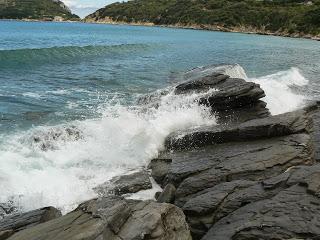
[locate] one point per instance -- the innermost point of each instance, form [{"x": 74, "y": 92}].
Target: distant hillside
[
  {"x": 35, "y": 9},
  {"x": 285, "y": 17}
]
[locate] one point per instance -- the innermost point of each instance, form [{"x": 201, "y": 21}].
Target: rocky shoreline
[
  {"x": 251, "y": 176},
  {"x": 208, "y": 27},
  {"x": 216, "y": 28}
]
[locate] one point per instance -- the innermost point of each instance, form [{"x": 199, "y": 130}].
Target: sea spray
[
  {"x": 59, "y": 165},
  {"x": 279, "y": 88},
  {"x": 281, "y": 95}
]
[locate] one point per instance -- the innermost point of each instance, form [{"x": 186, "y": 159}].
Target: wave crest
[{"x": 31, "y": 56}]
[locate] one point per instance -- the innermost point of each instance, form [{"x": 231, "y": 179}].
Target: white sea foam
[
  {"x": 280, "y": 95},
  {"x": 60, "y": 165},
  {"x": 280, "y": 87},
  {"x": 59, "y": 92},
  {"x": 32, "y": 95}
]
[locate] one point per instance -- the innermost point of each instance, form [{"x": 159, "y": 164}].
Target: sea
[{"x": 70, "y": 117}]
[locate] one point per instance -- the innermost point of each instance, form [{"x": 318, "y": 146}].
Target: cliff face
[
  {"x": 35, "y": 9},
  {"x": 290, "y": 17}
]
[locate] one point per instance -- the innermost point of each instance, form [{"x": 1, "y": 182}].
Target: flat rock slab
[
  {"x": 124, "y": 184},
  {"x": 230, "y": 173},
  {"x": 113, "y": 218},
  {"x": 273, "y": 126},
  {"x": 290, "y": 214},
  {"x": 213, "y": 205},
  {"x": 251, "y": 160},
  {"x": 20, "y": 221}
]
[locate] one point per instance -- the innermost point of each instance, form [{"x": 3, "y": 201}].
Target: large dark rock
[
  {"x": 231, "y": 92},
  {"x": 167, "y": 195},
  {"x": 273, "y": 126},
  {"x": 219, "y": 170},
  {"x": 285, "y": 207},
  {"x": 20, "y": 221},
  {"x": 113, "y": 218},
  {"x": 228, "y": 94},
  {"x": 256, "y": 160},
  {"x": 315, "y": 116},
  {"x": 124, "y": 184},
  {"x": 159, "y": 168},
  {"x": 223, "y": 88}
]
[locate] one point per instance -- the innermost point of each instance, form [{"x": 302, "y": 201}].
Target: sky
[{"x": 85, "y": 7}]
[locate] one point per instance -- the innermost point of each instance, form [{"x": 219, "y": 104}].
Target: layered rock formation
[
  {"x": 252, "y": 176},
  {"x": 245, "y": 179}
]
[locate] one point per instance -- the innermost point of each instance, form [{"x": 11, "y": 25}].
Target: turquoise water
[
  {"x": 68, "y": 114},
  {"x": 54, "y": 72}
]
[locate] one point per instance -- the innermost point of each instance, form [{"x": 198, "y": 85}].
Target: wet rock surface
[
  {"x": 167, "y": 195},
  {"x": 273, "y": 126},
  {"x": 233, "y": 99},
  {"x": 124, "y": 184},
  {"x": 20, "y": 221},
  {"x": 228, "y": 177},
  {"x": 113, "y": 218}
]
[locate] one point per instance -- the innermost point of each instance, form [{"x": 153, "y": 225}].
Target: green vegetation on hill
[
  {"x": 287, "y": 16},
  {"x": 35, "y": 9}
]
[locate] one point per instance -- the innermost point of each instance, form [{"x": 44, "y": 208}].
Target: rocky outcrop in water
[
  {"x": 253, "y": 176},
  {"x": 251, "y": 181},
  {"x": 231, "y": 98},
  {"x": 246, "y": 178}
]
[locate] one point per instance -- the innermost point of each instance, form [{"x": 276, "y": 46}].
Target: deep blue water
[{"x": 55, "y": 72}]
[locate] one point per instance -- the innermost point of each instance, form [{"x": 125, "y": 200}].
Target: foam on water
[
  {"x": 59, "y": 165},
  {"x": 279, "y": 87}
]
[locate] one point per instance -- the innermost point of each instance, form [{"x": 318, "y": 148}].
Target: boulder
[
  {"x": 223, "y": 88},
  {"x": 231, "y": 92},
  {"x": 159, "y": 168},
  {"x": 20, "y": 221},
  {"x": 228, "y": 93},
  {"x": 124, "y": 184},
  {"x": 167, "y": 195},
  {"x": 113, "y": 218}
]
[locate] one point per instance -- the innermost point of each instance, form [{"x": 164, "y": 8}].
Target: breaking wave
[
  {"x": 59, "y": 165},
  {"x": 282, "y": 90}
]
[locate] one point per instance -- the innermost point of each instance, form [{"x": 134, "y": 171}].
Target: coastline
[
  {"x": 206, "y": 27},
  {"x": 38, "y": 20},
  {"x": 215, "y": 28}
]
